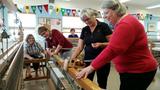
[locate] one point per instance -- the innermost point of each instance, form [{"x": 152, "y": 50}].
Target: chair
[{"x": 41, "y": 68}]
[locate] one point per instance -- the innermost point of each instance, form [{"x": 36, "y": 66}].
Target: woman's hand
[
  {"x": 30, "y": 58},
  {"x": 49, "y": 52},
  {"x": 84, "y": 72},
  {"x": 96, "y": 45}
]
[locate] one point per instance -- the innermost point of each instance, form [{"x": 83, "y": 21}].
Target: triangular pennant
[
  {"x": 78, "y": 12},
  {"x": 46, "y": 7},
  {"x": 40, "y": 8},
  {"x": 63, "y": 11},
  {"x": 74, "y": 12},
  {"x": 68, "y": 11},
  {"x": 18, "y": 8},
  {"x": 51, "y": 7},
  {"x": 27, "y": 9},
  {"x": 33, "y": 9},
  {"x": 57, "y": 9},
  {"x": 21, "y": 9}
]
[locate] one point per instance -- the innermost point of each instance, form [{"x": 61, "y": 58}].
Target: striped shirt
[{"x": 34, "y": 49}]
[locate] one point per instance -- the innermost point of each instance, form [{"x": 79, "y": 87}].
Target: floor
[
  {"x": 113, "y": 83},
  {"x": 41, "y": 84},
  {"x": 36, "y": 85}
]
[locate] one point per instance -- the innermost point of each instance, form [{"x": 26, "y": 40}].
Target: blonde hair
[{"x": 89, "y": 12}]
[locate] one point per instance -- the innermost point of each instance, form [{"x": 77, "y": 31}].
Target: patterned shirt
[
  {"x": 56, "y": 39},
  {"x": 34, "y": 49}
]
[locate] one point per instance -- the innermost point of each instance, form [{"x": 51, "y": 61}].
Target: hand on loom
[{"x": 84, "y": 72}]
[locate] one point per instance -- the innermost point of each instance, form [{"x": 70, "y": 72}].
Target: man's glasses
[
  {"x": 30, "y": 38},
  {"x": 43, "y": 33}
]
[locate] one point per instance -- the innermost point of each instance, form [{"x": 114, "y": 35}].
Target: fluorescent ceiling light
[
  {"x": 67, "y": 0},
  {"x": 154, "y": 6},
  {"x": 123, "y": 1}
]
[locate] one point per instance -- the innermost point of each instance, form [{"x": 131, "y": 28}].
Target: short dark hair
[
  {"x": 41, "y": 29},
  {"x": 72, "y": 29}
]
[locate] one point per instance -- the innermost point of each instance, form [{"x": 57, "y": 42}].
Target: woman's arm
[
  {"x": 58, "y": 48},
  {"x": 27, "y": 56},
  {"x": 78, "y": 49}
]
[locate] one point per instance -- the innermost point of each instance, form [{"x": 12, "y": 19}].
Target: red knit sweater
[{"x": 128, "y": 48}]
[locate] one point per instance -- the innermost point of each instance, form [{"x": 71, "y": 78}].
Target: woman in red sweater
[
  {"x": 56, "y": 40},
  {"x": 128, "y": 50}
]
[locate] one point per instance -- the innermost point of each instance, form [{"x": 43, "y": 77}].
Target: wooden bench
[{"x": 85, "y": 83}]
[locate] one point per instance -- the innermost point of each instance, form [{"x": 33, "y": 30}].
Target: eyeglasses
[
  {"x": 30, "y": 38},
  {"x": 107, "y": 13},
  {"x": 86, "y": 19},
  {"x": 43, "y": 33}
]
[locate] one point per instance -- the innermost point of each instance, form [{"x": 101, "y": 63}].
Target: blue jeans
[{"x": 66, "y": 54}]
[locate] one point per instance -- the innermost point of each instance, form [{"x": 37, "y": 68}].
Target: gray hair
[
  {"x": 114, "y": 5},
  {"x": 89, "y": 12}
]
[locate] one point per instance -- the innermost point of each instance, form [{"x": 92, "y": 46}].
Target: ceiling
[
  {"x": 140, "y": 4},
  {"x": 143, "y": 3}
]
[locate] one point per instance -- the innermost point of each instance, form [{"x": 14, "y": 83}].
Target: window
[{"x": 28, "y": 23}]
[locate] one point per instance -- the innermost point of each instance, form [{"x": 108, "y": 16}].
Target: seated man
[{"x": 32, "y": 50}]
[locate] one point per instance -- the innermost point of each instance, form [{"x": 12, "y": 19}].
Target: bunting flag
[
  {"x": 46, "y": 7},
  {"x": 51, "y": 7},
  {"x": 63, "y": 10},
  {"x": 68, "y": 11},
  {"x": 27, "y": 9},
  {"x": 78, "y": 12},
  {"x": 18, "y": 8},
  {"x": 33, "y": 9},
  {"x": 40, "y": 8},
  {"x": 74, "y": 12},
  {"x": 57, "y": 9}
]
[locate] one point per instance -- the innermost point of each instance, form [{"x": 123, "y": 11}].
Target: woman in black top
[{"x": 93, "y": 39}]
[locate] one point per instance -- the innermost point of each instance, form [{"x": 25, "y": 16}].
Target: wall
[{"x": 79, "y": 4}]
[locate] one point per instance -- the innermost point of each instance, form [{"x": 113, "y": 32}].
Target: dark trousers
[
  {"x": 102, "y": 75},
  {"x": 36, "y": 65},
  {"x": 130, "y": 81}
]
